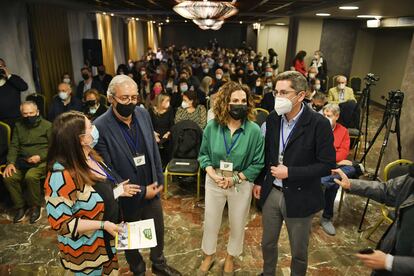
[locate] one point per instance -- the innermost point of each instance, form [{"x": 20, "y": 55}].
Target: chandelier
[
  {"x": 206, "y": 14},
  {"x": 209, "y": 24}
]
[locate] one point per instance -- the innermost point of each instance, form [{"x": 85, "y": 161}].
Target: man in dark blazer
[
  {"x": 127, "y": 144},
  {"x": 298, "y": 152},
  {"x": 88, "y": 83}
]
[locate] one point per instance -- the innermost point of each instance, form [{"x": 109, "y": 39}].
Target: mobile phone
[{"x": 366, "y": 251}]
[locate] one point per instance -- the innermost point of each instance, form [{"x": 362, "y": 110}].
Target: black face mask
[
  {"x": 90, "y": 103},
  {"x": 85, "y": 76},
  {"x": 238, "y": 111},
  {"x": 125, "y": 110},
  {"x": 30, "y": 121},
  {"x": 317, "y": 108}
]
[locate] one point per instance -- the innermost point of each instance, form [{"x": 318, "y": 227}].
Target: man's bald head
[{"x": 64, "y": 87}]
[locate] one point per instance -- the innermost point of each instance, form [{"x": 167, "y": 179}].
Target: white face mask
[
  {"x": 268, "y": 74},
  {"x": 66, "y": 80},
  {"x": 92, "y": 110},
  {"x": 205, "y": 70},
  {"x": 185, "y": 105},
  {"x": 183, "y": 88},
  {"x": 312, "y": 75},
  {"x": 283, "y": 105},
  {"x": 63, "y": 95},
  {"x": 218, "y": 76},
  {"x": 341, "y": 86},
  {"x": 269, "y": 84},
  {"x": 317, "y": 86}
]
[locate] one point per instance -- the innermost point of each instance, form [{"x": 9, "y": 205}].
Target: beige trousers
[{"x": 238, "y": 210}]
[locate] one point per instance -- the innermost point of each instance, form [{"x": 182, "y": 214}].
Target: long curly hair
[{"x": 221, "y": 103}]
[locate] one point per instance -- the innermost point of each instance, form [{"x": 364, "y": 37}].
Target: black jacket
[
  {"x": 10, "y": 97},
  {"x": 309, "y": 155},
  {"x": 398, "y": 240},
  {"x": 95, "y": 85}
]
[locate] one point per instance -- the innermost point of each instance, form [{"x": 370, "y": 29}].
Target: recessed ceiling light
[
  {"x": 350, "y": 8},
  {"x": 133, "y": 18},
  {"x": 168, "y": 20},
  {"x": 323, "y": 14},
  {"x": 241, "y": 22},
  {"x": 112, "y": 14},
  {"x": 136, "y": 19},
  {"x": 104, "y": 13},
  {"x": 368, "y": 16},
  {"x": 280, "y": 24}
]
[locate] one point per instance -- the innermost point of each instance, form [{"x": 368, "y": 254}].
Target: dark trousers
[
  {"x": 331, "y": 188},
  {"x": 152, "y": 209}
]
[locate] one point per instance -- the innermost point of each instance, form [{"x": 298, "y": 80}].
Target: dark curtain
[{"x": 49, "y": 28}]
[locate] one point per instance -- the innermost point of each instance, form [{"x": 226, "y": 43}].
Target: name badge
[
  {"x": 280, "y": 159},
  {"x": 118, "y": 191},
  {"x": 226, "y": 166},
  {"x": 139, "y": 160}
]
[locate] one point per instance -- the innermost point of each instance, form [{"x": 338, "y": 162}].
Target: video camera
[
  {"x": 395, "y": 100},
  {"x": 370, "y": 79}
]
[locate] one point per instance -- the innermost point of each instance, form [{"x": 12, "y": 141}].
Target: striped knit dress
[{"x": 66, "y": 203}]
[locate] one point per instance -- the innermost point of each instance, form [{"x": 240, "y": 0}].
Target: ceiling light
[
  {"x": 373, "y": 23},
  {"x": 207, "y": 24},
  {"x": 323, "y": 14},
  {"x": 167, "y": 20},
  {"x": 112, "y": 14},
  {"x": 133, "y": 18},
  {"x": 256, "y": 26},
  {"x": 349, "y": 8},
  {"x": 185, "y": 21},
  {"x": 368, "y": 16},
  {"x": 205, "y": 9},
  {"x": 280, "y": 24},
  {"x": 104, "y": 13},
  {"x": 136, "y": 19},
  {"x": 241, "y": 22}
]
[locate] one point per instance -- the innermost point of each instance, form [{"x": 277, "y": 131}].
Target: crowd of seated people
[
  {"x": 173, "y": 85},
  {"x": 177, "y": 84}
]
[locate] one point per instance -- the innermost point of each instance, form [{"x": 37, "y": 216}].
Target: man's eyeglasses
[
  {"x": 282, "y": 93},
  {"x": 127, "y": 99}
]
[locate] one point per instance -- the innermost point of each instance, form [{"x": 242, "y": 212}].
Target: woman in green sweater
[{"x": 232, "y": 153}]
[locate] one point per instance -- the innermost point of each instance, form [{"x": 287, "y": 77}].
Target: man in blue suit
[{"x": 127, "y": 144}]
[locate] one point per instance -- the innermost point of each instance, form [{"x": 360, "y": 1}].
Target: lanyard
[
  {"x": 105, "y": 174},
  {"x": 228, "y": 150},
  {"x": 130, "y": 139},
  {"x": 284, "y": 144}
]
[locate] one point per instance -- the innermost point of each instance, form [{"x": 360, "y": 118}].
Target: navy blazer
[
  {"x": 115, "y": 151},
  {"x": 309, "y": 155}
]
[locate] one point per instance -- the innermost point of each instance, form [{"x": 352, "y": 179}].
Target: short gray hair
[
  {"x": 332, "y": 107},
  {"x": 28, "y": 103},
  {"x": 297, "y": 81},
  {"x": 119, "y": 80}
]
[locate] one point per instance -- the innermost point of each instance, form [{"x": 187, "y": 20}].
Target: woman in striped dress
[{"x": 79, "y": 197}]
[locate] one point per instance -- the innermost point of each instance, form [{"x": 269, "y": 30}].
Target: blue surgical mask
[{"x": 95, "y": 136}]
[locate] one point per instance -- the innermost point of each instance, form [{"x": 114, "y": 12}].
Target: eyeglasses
[
  {"x": 282, "y": 93},
  {"x": 127, "y": 99}
]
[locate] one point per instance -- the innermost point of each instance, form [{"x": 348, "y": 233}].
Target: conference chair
[
  {"x": 5, "y": 136},
  {"x": 186, "y": 141},
  {"x": 392, "y": 170},
  {"x": 261, "y": 115}
]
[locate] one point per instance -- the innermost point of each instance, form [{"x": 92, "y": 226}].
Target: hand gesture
[
  {"x": 279, "y": 171},
  {"x": 152, "y": 190},
  {"x": 375, "y": 260},
  {"x": 344, "y": 182},
  {"x": 9, "y": 170},
  {"x": 111, "y": 228},
  {"x": 33, "y": 159},
  {"x": 129, "y": 189}
]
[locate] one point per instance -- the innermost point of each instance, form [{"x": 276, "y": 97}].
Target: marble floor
[{"x": 27, "y": 249}]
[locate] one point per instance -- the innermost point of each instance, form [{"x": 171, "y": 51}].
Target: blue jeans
[{"x": 331, "y": 188}]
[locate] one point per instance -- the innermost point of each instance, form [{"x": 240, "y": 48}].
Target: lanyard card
[
  {"x": 226, "y": 166},
  {"x": 139, "y": 160},
  {"x": 280, "y": 159},
  {"x": 118, "y": 191}
]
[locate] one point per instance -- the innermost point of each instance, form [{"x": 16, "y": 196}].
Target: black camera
[
  {"x": 395, "y": 100},
  {"x": 370, "y": 78}
]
